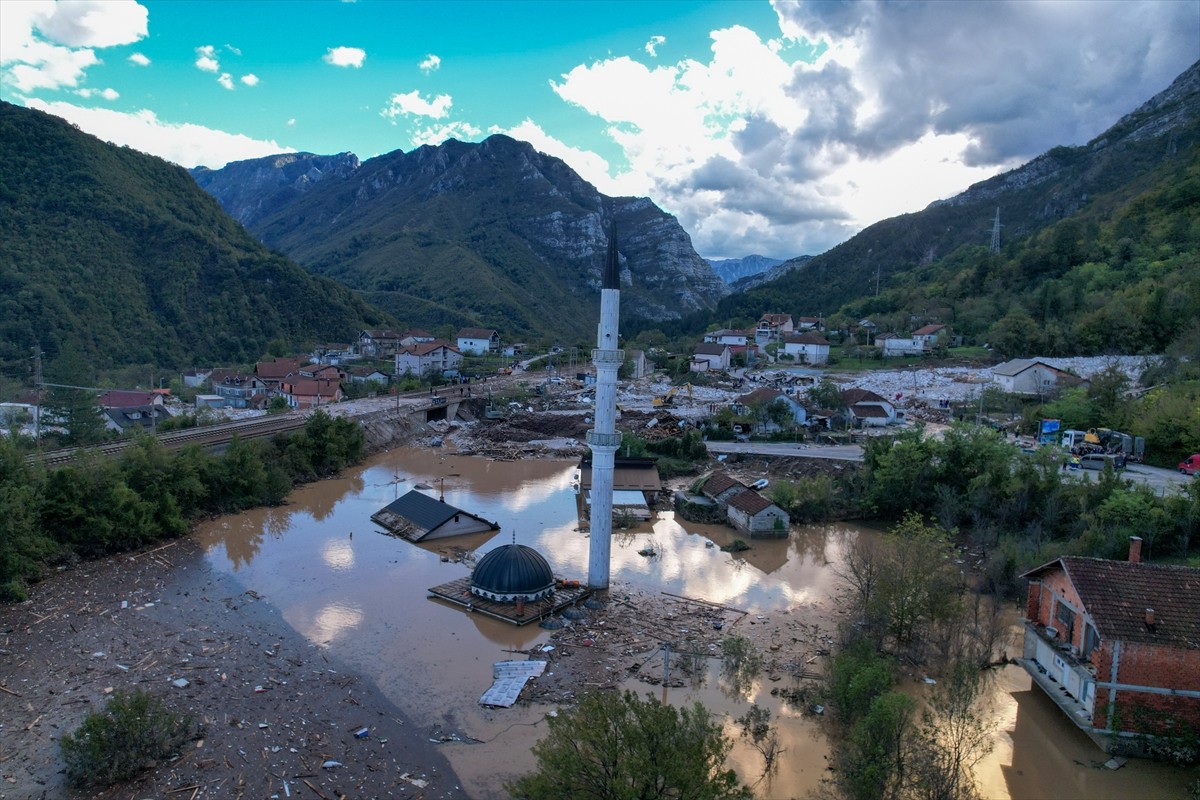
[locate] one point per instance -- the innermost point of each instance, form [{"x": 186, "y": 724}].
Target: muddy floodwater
[{"x": 350, "y": 589}]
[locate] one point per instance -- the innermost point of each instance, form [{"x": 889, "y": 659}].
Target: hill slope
[
  {"x": 493, "y": 235},
  {"x": 119, "y": 258}
]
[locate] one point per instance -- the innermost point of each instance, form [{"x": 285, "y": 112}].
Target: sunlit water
[{"x": 361, "y": 594}]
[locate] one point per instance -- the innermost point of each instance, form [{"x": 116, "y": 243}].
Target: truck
[
  {"x": 1103, "y": 440},
  {"x": 1190, "y": 465}
]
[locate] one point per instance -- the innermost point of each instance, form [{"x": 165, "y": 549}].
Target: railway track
[{"x": 208, "y": 436}]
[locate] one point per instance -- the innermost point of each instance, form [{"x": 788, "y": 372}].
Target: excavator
[{"x": 668, "y": 398}]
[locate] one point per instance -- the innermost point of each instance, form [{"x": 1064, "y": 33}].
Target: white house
[
  {"x": 773, "y": 327},
  {"x": 895, "y": 347},
  {"x": 1031, "y": 377},
  {"x": 807, "y": 348},
  {"x": 728, "y": 336},
  {"x": 639, "y": 365},
  {"x": 757, "y": 516},
  {"x": 928, "y": 336},
  {"x": 766, "y": 397},
  {"x": 428, "y": 357},
  {"x": 867, "y": 409},
  {"x": 710, "y": 356},
  {"x": 478, "y": 341},
  {"x": 378, "y": 343}
]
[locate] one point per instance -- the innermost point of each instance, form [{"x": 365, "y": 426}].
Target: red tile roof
[
  {"x": 928, "y": 330},
  {"x": 719, "y": 482},
  {"x": 750, "y": 501},
  {"x": 1116, "y": 595},
  {"x": 805, "y": 338}
]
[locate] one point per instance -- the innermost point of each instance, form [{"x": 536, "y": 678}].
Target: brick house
[
  {"x": 311, "y": 392},
  {"x": 1116, "y": 645}
]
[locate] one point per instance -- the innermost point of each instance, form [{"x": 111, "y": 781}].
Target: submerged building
[{"x": 512, "y": 573}]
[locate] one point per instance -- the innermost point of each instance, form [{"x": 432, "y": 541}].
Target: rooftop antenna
[{"x": 995, "y": 247}]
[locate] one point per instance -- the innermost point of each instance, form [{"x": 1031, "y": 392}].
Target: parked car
[
  {"x": 1098, "y": 460},
  {"x": 1190, "y": 465}
]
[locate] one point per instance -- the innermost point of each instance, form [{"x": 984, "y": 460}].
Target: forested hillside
[{"x": 113, "y": 257}]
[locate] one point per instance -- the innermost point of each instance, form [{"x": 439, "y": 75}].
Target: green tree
[
  {"x": 620, "y": 747},
  {"x": 825, "y": 395}
]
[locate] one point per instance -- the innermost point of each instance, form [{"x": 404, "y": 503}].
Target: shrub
[{"x": 132, "y": 733}]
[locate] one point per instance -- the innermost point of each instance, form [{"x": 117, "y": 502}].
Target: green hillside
[{"x": 118, "y": 257}]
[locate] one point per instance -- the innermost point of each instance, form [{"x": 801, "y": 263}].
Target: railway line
[{"x": 208, "y": 436}]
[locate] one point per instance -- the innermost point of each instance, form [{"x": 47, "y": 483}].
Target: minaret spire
[{"x": 604, "y": 439}]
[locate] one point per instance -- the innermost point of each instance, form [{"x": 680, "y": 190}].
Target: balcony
[{"x": 1066, "y": 679}]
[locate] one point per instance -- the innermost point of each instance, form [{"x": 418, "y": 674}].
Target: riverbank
[{"x": 275, "y": 709}]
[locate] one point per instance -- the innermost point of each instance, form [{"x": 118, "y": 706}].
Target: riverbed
[{"x": 357, "y": 592}]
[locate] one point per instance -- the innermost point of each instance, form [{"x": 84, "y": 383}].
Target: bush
[{"x": 132, "y": 733}]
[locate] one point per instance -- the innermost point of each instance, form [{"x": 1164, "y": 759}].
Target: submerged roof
[
  {"x": 425, "y": 512},
  {"x": 512, "y": 569}
]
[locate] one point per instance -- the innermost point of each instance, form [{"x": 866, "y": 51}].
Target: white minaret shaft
[{"x": 604, "y": 439}]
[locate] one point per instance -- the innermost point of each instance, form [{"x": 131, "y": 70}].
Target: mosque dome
[{"x": 512, "y": 572}]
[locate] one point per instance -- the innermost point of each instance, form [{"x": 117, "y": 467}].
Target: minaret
[{"x": 604, "y": 439}]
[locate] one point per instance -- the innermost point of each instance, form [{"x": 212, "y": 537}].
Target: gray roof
[
  {"x": 422, "y": 510},
  {"x": 1014, "y": 367},
  {"x": 512, "y": 569}
]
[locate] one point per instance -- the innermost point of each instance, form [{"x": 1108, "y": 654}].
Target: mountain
[
  {"x": 1099, "y": 248},
  {"x": 731, "y": 269},
  {"x": 491, "y": 234},
  {"x": 773, "y": 273},
  {"x": 118, "y": 258}
]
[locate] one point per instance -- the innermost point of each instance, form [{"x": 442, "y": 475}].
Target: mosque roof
[{"x": 512, "y": 569}]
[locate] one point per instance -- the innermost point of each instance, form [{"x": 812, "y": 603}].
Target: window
[{"x": 1065, "y": 618}]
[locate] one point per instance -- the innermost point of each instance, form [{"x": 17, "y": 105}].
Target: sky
[{"x": 775, "y": 128}]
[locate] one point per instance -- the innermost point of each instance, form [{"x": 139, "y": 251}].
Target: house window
[
  {"x": 1065, "y": 618},
  {"x": 1091, "y": 641}
]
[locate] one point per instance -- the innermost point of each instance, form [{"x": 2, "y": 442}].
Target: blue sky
[{"x": 779, "y": 128}]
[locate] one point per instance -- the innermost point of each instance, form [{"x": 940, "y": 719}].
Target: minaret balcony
[
  {"x": 597, "y": 439},
  {"x": 608, "y": 357}
]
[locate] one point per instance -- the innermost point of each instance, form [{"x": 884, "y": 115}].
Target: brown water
[{"x": 363, "y": 595}]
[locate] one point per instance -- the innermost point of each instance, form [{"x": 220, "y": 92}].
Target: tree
[
  {"x": 955, "y": 735},
  {"x": 620, "y": 747}
]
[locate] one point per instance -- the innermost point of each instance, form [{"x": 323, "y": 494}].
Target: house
[
  {"x": 1032, "y": 377},
  {"x": 272, "y": 373},
  {"x": 137, "y": 419},
  {"x": 324, "y": 372},
  {"x": 209, "y": 401},
  {"x": 773, "y": 327},
  {"x": 238, "y": 390},
  {"x": 710, "y": 356},
  {"x": 379, "y": 343},
  {"x": 311, "y": 392},
  {"x": 415, "y": 336},
  {"x": 809, "y": 324},
  {"x": 478, "y": 341},
  {"x": 807, "y": 348},
  {"x": 635, "y": 483},
  {"x": 120, "y": 398},
  {"x": 334, "y": 353},
  {"x": 720, "y": 486},
  {"x": 416, "y": 517},
  {"x": 928, "y": 336},
  {"x": 757, "y": 516},
  {"x": 427, "y": 358},
  {"x": 639, "y": 365},
  {"x": 729, "y": 336},
  {"x": 895, "y": 346},
  {"x": 765, "y": 397},
  {"x": 1116, "y": 645},
  {"x": 366, "y": 375},
  {"x": 867, "y": 409},
  {"x": 194, "y": 379}
]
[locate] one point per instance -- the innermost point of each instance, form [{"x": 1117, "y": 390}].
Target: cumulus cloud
[
  {"x": 139, "y": 59},
  {"x": 787, "y": 142},
  {"x": 226, "y": 80},
  {"x": 652, "y": 45},
  {"x": 50, "y": 45},
  {"x": 436, "y": 134},
  {"x": 345, "y": 56},
  {"x": 412, "y": 104},
  {"x": 206, "y": 59},
  {"x": 184, "y": 144},
  {"x": 591, "y": 167},
  {"x": 107, "y": 94},
  {"x": 431, "y": 64},
  {"x": 250, "y": 79}
]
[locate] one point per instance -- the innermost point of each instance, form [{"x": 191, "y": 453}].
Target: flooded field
[{"x": 352, "y": 590}]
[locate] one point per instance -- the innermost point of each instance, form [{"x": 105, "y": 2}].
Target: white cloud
[
  {"x": 107, "y": 94},
  {"x": 46, "y": 45},
  {"x": 206, "y": 58},
  {"x": 139, "y": 59},
  {"x": 413, "y": 104},
  {"x": 345, "y": 56},
  {"x": 250, "y": 79},
  {"x": 185, "y": 144},
  {"x": 436, "y": 134},
  {"x": 291, "y": 123},
  {"x": 790, "y": 143},
  {"x": 592, "y": 167},
  {"x": 226, "y": 80},
  {"x": 652, "y": 45},
  {"x": 431, "y": 63}
]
